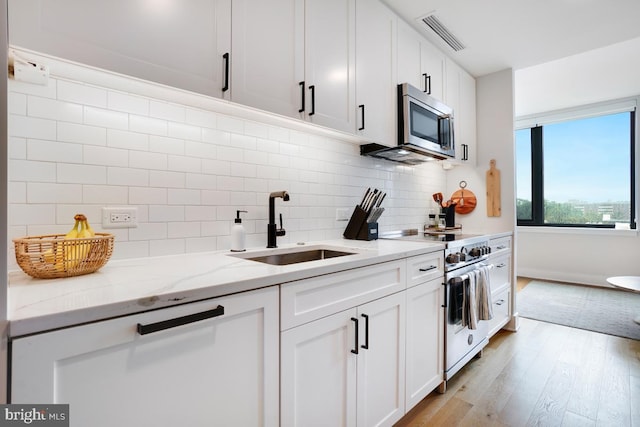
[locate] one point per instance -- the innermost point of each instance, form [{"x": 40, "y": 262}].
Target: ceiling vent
[{"x": 443, "y": 32}]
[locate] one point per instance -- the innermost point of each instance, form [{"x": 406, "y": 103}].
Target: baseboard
[{"x": 564, "y": 276}]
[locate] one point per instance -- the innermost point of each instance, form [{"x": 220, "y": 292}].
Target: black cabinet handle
[
  {"x": 366, "y": 332},
  {"x": 301, "y": 110},
  {"x": 501, "y": 265},
  {"x": 179, "y": 321},
  {"x": 362, "y": 110},
  {"x": 500, "y": 302},
  {"x": 465, "y": 152},
  {"x": 312, "y": 88},
  {"x": 445, "y": 295},
  {"x": 427, "y": 83},
  {"x": 355, "y": 347},
  {"x": 226, "y": 72},
  {"x": 431, "y": 267}
]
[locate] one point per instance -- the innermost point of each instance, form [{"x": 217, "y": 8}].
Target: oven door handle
[{"x": 445, "y": 295}]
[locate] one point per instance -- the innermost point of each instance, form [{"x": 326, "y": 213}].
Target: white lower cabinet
[
  {"x": 221, "y": 370},
  {"x": 346, "y": 369},
  {"x": 425, "y": 340}
]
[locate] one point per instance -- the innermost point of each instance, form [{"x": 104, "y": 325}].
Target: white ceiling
[{"x": 516, "y": 34}]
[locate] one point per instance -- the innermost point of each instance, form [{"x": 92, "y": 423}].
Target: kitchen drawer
[
  {"x": 500, "y": 245},
  {"x": 501, "y": 302},
  {"x": 310, "y": 299},
  {"x": 423, "y": 268},
  {"x": 500, "y": 274}
]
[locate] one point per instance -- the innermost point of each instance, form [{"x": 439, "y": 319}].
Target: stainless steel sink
[{"x": 295, "y": 255}]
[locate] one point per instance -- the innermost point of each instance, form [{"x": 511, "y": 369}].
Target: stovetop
[{"x": 450, "y": 239}]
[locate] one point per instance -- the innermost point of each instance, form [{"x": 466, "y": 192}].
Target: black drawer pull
[
  {"x": 431, "y": 267},
  {"x": 500, "y": 302},
  {"x": 501, "y": 265},
  {"x": 179, "y": 321},
  {"x": 355, "y": 347},
  {"x": 501, "y": 247},
  {"x": 366, "y": 332}
]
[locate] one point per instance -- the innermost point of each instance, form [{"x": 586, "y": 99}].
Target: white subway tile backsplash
[
  {"x": 183, "y": 197},
  {"x": 39, "y": 192},
  {"x": 184, "y": 164},
  {"x": 205, "y": 119},
  {"x": 164, "y": 213},
  {"x": 76, "y": 147},
  {"x": 127, "y": 140},
  {"x": 83, "y": 174},
  {"x": 163, "y": 144},
  {"x": 167, "y": 111},
  {"x": 31, "y": 171},
  {"x": 183, "y": 229},
  {"x": 127, "y": 177},
  {"x": 146, "y": 160},
  {"x": 82, "y": 134},
  {"x": 81, "y": 93},
  {"x": 17, "y": 103},
  {"x": 127, "y": 103},
  {"x": 53, "y": 151},
  {"x": 147, "y": 196},
  {"x": 106, "y": 118},
  {"x": 31, "y": 127},
  {"x": 105, "y": 195},
  {"x": 95, "y": 155},
  {"x": 166, "y": 179},
  {"x": 184, "y": 131},
  {"x": 47, "y": 108},
  {"x": 147, "y": 125}
]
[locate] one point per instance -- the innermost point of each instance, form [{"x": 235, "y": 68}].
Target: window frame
[{"x": 536, "y": 124}]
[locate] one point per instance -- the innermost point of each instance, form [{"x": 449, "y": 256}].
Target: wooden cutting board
[
  {"x": 493, "y": 190},
  {"x": 465, "y": 201}
]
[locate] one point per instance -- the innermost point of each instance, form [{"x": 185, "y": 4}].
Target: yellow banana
[
  {"x": 66, "y": 256},
  {"x": 73, "y": 233},
  {"x": 88, "y": 227}
]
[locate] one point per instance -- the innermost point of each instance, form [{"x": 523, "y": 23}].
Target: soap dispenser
[{"x": 238, "y": 234}]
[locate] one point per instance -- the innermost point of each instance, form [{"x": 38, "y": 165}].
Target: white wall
[
  {"x": 92, "y": 138},
  {"x": 576, "y": 255},
  {"x": 494, "y": 118}
]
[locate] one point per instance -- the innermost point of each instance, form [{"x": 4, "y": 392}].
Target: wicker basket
[{"x": 53, "y": 256}]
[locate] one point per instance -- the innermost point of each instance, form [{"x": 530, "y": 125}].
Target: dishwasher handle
[{"x": 179, "y": 321}]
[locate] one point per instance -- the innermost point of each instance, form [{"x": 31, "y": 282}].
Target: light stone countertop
[{"x": 124, "y": 287}]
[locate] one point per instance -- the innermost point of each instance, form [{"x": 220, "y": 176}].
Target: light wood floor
[{"x": 542, "y": 375}]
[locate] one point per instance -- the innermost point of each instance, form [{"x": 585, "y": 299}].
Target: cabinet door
[
  {"x": 425, "y": 340},
  {"x": 268, "y": 54},
  {"x": 179, "y": 44},
  {"x": 318, "y": 382},
  {"x": 375, "y": 71},
  {"x": 330, "y": 63},
  {"x": 381, "y": 361},
  {"x": 432, "y": 65},
  {"x": 409, "y": 64},
  {"x": 500, "y": 274},
  {"x": 223, "y": 370},
  {"x": 461, "y": 96}
]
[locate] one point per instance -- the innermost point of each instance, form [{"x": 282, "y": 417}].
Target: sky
[{"x": 585, "y": 160}]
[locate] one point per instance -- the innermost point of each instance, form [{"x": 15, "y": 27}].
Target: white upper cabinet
[
  {"x": 267, "y": 55},
  {"x": 180, "y": 44},
  {"x": 461, "y": 96},
  {"x": 375, "y": 71},
  {"x": 419, "y": 63},
  {"x": 330, "y": 63},
  {"x": 296, "y": 58}
]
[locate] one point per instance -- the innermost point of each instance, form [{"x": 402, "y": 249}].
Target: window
[{"x": 578, "y": 172}]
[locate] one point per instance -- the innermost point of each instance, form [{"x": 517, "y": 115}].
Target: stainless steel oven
[{"x": 465, "y": 257}]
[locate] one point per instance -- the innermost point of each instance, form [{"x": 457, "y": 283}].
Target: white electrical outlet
[
  {"x": 119, "y": 217},
  {"x": 342, "y": 214}
]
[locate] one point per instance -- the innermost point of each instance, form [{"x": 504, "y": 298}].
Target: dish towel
[
  {"x": 469, "y": 302},
  {"x": 483, "y": 293}
]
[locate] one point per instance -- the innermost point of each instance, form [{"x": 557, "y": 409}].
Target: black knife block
[{"x": 358, "y": 228}]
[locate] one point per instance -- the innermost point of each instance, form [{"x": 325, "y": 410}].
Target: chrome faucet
[{"x": 272, "y": 230}]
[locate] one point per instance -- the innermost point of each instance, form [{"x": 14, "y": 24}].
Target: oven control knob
[
  {"x": 453, "y": 258},
  {"x": 475, "y": 252}
]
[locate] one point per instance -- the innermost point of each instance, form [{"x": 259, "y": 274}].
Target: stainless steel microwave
[{"x": 425, "y": 129}]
